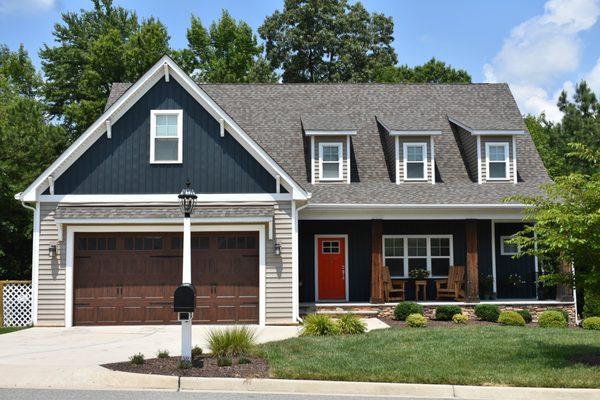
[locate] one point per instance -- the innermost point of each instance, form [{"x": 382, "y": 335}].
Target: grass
[
  {"x": 9, "y": 330},
  {"x": 471, "y": 355}
]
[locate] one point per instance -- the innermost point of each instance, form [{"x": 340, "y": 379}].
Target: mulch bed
[
  {"x": 432, "y": 323},
  {"x": 258, "y": 368}
]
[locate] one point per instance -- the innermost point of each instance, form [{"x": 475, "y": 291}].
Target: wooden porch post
[
  {"x": 472, "y": 289},
  {"x": 376, "y": 262},
  {"x": 564, "y": 292}
]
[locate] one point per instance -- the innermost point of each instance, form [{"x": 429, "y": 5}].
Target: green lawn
[
  {"x": 495, "y": 355},
  {"x": 9, "y": 330}
]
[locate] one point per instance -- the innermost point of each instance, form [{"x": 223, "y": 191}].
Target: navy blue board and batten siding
[{"x": 121, "y": 165}]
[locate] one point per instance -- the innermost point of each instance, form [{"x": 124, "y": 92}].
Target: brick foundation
[{"x": 387, "y": 311}]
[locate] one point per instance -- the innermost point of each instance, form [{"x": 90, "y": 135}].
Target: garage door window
[
  {"x": 236, "y": 243},
  {"x": 97, "y": 243},
  {"x": 143, "y": 243}
]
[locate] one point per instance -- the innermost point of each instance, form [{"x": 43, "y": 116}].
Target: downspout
[{"x": 298, "y": 209}]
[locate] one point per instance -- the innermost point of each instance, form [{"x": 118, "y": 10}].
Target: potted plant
[
  {"x": 418, "y": 273},
  {"x": 486, "y": 285}
]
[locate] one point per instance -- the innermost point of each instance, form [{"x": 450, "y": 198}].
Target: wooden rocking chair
[
  {"x": 454, "y": 286},
  {"x": 393, "y": 288}
]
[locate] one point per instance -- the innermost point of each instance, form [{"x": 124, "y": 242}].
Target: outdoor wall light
[
  {"x": 52, "y": 251},
  {"x": 187, "y": 200},
  {"x": 277, "y": 249}
]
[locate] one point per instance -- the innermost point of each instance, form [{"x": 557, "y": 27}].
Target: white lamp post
[{"x": 187, "y": 201}]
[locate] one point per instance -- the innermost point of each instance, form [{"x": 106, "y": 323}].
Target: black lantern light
[{"x": 187, "y": 199}]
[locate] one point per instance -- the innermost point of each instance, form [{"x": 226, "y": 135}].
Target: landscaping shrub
[
  {"x": 460, "y": 319},
  {"x": 563, "y": 312},
  {"x": 405, "y": 308},
  {"x": 231, "y": 342},
  {"x": 182, "y": 364},
  {"x": 196, "y": 352},
  {"x": 350, "y": 324},
  {"x": 552, "y": 319},
  {"x": 511, "y": 318},
  {"x": 591, "y": 304},
  {"x": 445, "y": 313},
  {"x": 224, "y": 362},
  {"x": 162, "y": 354},
  {"x": 319, "y": 325},
  {"x": 526, "y": 316},
  {"x": 137, "y": 359},
  {"x": 487, "y": 312},
  {"x": 416, "y": 321},
  {"x": 243, "y": 360},
  {"x": 591, "y": 323}
]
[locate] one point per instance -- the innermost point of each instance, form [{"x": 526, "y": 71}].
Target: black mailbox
[{"x": 184, "y": 298}]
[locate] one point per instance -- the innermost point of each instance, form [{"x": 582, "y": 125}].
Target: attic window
[
  {"x": 415, "y": 161},
  {"x": 330, "y": 161},
  {"x": 496, "y": 156},
  {"x": 166, "y": 136}
]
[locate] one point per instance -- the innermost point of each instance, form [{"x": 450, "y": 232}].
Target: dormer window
[
  {"x": 166, "y": 136},
  {"x": 415, "y": 161},
  {"x": 496, "y": 157},
  {"x": 330, "y": 161}
]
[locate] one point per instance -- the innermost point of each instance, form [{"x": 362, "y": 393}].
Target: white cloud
[
  {"x": 26, "y": 6},
  {"x": 541, "y": 49},
  {"x": 593, "y": 77}
]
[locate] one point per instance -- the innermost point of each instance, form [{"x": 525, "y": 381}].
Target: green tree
[
  {"x": 567, "y": 227},
  {"x": 28, "y": 143},
  {"x": 94, "y": 49},
  {"x": 328, "y": 41},
  {"x": 580, "y": 124},
  {"x": 433, "y": 71},
  {"x": 226, "y": 53}
]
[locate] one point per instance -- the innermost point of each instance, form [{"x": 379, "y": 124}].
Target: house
[{"x": 306, "y": 192}]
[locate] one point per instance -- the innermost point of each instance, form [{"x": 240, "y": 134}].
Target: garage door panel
[{"x": 129, "y": 278}]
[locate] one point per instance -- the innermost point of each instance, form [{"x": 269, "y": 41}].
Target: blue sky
[{"x": 539, "y": 47}]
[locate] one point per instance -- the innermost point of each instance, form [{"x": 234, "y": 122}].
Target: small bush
[
  {"x": 196, "y": 352},
  {"x": 182, "y": 364},
  {"x": 591, "y": 304},
  {"x": 563, "y": 312},
  {"x": 460, "y": 319},
  {"x": 350, "y": 324},
  {"x": 445, "y": 313},
  {"x": 591, "y": 323},
  {"x": 552, "y": 319},
  {"x": 319, "y": 325},
  {"x": 526, "y": 316},
  {"x": 137, "y": 359},
  {"x": 511, "y": 318},
  {"x": 243, "y": 360},
  {"x": 416, "y": 321},
  {"x": 231, "y": 342},
  {"x": 162, "y": 354},
  {"x": 224, "y": 362},
  {"x": 487, "y": 312},
  {"x": 405, "y": 308}
]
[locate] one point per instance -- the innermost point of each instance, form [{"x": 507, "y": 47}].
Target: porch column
[
  {"x": 377, "y": 295},
  {"x": 472, "y": 289},
  {"x": 564, "y": 292}
]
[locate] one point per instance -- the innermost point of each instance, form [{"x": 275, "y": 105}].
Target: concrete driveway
[{"x": 69, "y": 358}]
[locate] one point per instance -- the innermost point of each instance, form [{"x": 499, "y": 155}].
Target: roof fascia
[
  {"x": 330, "y": 133},
  {"x": 487, "y": 132},
  {"x": 394, "y": 132}
]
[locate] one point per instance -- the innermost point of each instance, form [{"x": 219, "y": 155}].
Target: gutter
[{"x": 421, "y": 206}]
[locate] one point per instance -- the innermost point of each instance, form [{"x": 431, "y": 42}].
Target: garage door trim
[{"x": 70, "y": 247}]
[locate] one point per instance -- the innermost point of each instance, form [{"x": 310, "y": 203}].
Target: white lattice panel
[{"x": 16, "y": 301}]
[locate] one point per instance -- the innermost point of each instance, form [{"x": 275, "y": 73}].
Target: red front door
[{"x": 331, "y": 265}]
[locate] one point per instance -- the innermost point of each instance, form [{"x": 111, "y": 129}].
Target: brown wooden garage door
[{"x": 129, "y": 278}]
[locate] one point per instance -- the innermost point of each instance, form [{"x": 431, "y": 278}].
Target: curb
[{"x": 382, "y": 389}]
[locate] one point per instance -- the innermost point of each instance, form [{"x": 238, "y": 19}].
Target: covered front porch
[{"x": 366, "y": 250}]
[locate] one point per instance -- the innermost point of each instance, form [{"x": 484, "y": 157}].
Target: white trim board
[
  {"x": 71, "y": 230},
  {"x": 316, "y": 269},
  {"x": 486, "y": 132},
  {"x": 138, "y": 89},
  {"x": 164, "y": 198},
  {"x": 330, "y": 133}
]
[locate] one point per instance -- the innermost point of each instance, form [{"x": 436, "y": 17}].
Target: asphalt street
[{"x": 51, "y": 394}]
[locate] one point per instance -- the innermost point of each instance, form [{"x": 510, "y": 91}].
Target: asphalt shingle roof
[
  {"x": 273, "y": 115},
  {"x": 328, "y": 122}
]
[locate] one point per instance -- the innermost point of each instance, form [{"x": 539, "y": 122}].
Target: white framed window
[
  {"x": 330, "y": 161},
  {"x": 166, "y": 136},
  {"x": 506, "y": 248},
  {"x": 496, "y": 161},
  {"x": 403, "y": 253},
  {"x": 415, "y": 161}
]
